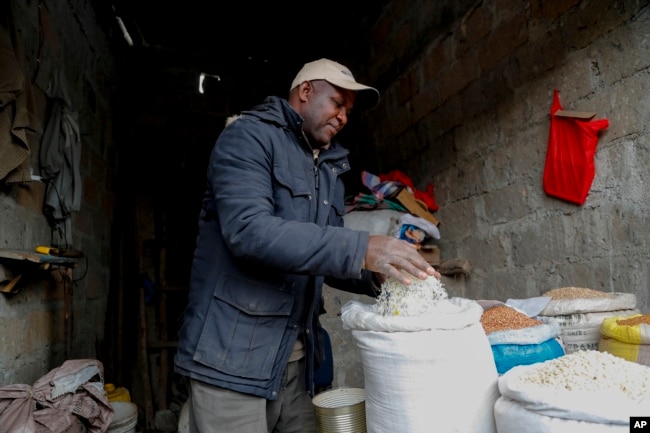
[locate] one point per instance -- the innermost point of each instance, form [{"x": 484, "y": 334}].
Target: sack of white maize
[
  {"x": 513, "y": 417},
  {"x": 582, "y": 392},
  {"x": 517, "y": 339},
  {"x": 627, "y": 337},
  {"x": 419, "y": 347},
  {"x": 579, "y": 312}
]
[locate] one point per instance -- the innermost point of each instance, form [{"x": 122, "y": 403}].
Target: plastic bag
[
  {"x": 569, "y": 169},
  {"x": 507, "y": 356}
]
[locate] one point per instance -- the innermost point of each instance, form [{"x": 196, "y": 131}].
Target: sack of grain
[
  {"x": 517, "y": 339},
  {"x": 506, "y": 325},
  {"x": 627, "y": 337},
  {"x": 582, "y": 392},
  {"x": 572, "y": 300},
  {"x": 424, "y": 372},
  {"x": 633, "y": 328},
  {"x": 513, "y": 417},
  {"x": 581, "y": 331},
  {"x": 580, "y": 311}
]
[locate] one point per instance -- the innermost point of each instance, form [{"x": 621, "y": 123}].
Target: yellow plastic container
[{"x": 117, "y": 394}]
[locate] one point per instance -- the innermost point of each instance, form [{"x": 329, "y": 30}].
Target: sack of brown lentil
[
  {"x": 506, "y": 325},
  {"x": 580, "y": 311},
  {"x": 627, "y": 337},
  {"x": 582, "y": 392},
  {"x": 517, "y": 339},
  {"x": 419, "y": 348}
]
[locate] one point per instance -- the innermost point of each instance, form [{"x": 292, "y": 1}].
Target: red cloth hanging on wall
[{"x": 569, "y": 169}]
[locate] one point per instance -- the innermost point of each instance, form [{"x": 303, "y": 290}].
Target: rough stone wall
[
  {"x": 465, "y": 106},
  {"x": 33, "y": 339}
]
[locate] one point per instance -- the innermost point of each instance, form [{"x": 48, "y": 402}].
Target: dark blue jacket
[{"x": 270, "y": 234}]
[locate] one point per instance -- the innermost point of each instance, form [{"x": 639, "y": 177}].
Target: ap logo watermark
[{"x": 639, "y": 424}]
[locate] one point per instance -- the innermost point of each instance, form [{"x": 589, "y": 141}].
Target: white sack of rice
[
  {"x": 421, "y": 306},
  {"x": 420, "y": 298},
  {"x": 418, "y": 346}
]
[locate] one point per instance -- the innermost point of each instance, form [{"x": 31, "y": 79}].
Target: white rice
[{"x": 418, "y": 299}]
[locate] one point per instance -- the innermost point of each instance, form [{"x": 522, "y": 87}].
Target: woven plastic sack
[
  {"x": 438, "y": 376},
  {"x": 581, "y": 331},
  {"x": 596, "y": 406},
  {"x": 513, "y": 417},
  {"x": 569, "y": 169},
  {"x": 630, "y": 342},
  {"x": 68, "y": 399},
  {"x": 507, "y": 356},
  {"x": 636, "y": 334},
  {"x": 530, "y": 335},
  {"x": 639, "y": 353},
  {"x": 452, "y": 314},
  {"x": 615, "y": 301}
]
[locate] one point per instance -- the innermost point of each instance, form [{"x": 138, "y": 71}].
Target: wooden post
[{"x": 144, "y": 361}]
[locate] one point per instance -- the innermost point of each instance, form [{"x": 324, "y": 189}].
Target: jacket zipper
[{"x": 316, "y": 175}]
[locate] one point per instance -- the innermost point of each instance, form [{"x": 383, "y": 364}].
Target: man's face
[{"x": 326, "y": 111}]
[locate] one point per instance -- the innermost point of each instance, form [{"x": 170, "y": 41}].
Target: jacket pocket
[
  {"x": 336, "y": 214},
  {"x": 292, "y": 194},
  {"x": 294, "y": 181},
  {"x": 244, "y": 328}
]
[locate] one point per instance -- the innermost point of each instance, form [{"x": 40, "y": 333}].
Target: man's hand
[{"x": 390, "y": 257}]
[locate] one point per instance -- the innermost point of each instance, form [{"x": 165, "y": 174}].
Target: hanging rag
[
  {"x": 60, "y": 155},
  {"x": 569, "y": 169},
  {"x": 14, "y": 116}
]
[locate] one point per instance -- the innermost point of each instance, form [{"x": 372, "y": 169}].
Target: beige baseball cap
[{"x": 337, "y": 75}]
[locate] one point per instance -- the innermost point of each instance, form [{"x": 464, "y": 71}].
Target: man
[{"x": 270, "y": 234}]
